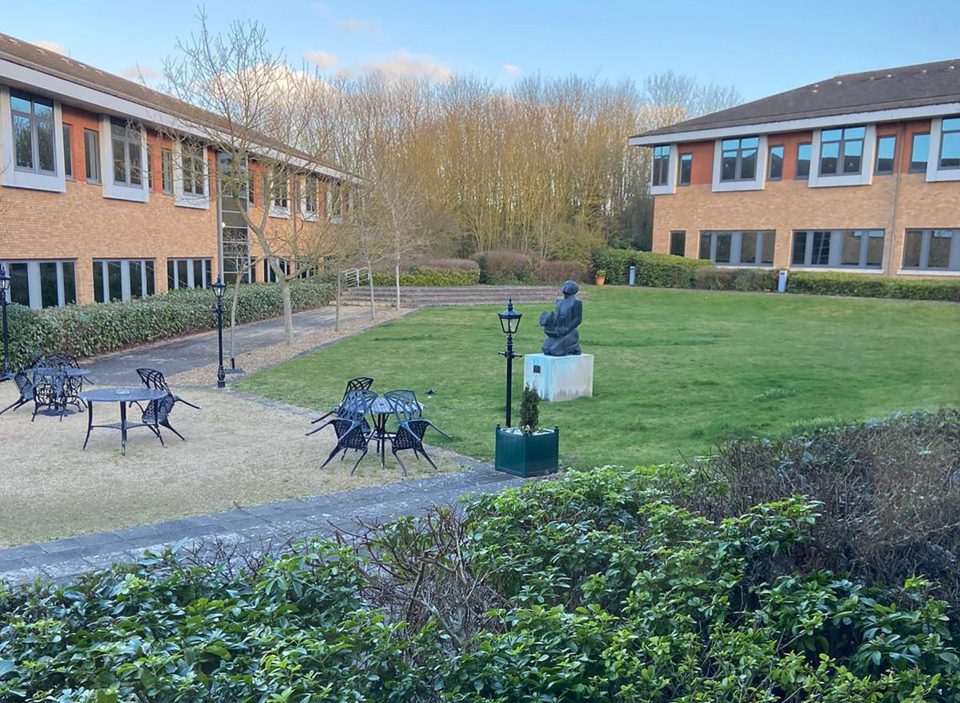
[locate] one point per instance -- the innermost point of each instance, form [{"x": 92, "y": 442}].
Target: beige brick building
[
  {"x": 100, "y": 200},
  {"x": 857, "y": 173}
]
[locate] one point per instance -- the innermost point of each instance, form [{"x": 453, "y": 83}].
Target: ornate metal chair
[
  {"x": 49, "y": 391},
  {"x": 410, "y": 436},
  {"x": 151, "y": 378},
  {"x": 157, "y": 414},
  {"x": 354, "y": 406},
  {"x": 360, "y": 383},
  {"x": 404, "y": 405},
  {"x": 25, "y": 386},
  {"x": 350, "y": 435}
]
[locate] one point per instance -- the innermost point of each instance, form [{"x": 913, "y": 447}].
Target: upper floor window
[
  {"x": 842, "y": 248},
  {"x": 281, "y": 192},
  {"x": 335, "y": 201},
  {"x": 886, "y": 149},
  {"x": 33, "y": 133},
  {"x": 67, "y": 155},
  {"x": 91, "y": 155},
  {"x": 950, "y": 143},
  {"x": 776, "y": 163},
  {"x": 932, "y": 249},
  {"x": 841, "y": 151},
  {"x": 661, "y": 165},
  {"x": 738, "y": 248},
  {"x": 127, "y": 154},
  {"x": 310, "y": 194},
  {"x": 166, "y": 171},
  {"x": 804, "y": 154},
  {"x": 193, "y": 172},
  {"x": 686, "y": 169},
  {"x": 919, "y": 152},
  {"x": 738, "y": 160}
]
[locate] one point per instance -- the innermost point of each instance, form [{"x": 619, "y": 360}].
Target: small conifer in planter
[{"x": 528, "y": 450}]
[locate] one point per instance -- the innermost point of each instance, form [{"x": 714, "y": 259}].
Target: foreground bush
[
  {"x": 88, "y": 330},
  {"x": 595, "y": 587}
]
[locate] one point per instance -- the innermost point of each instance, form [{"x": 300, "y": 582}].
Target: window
[
  {"x": 950, "y": 143},
  {"x": 166, "y": 171},
  {"x": 919, "y": 152},
  {"x": 678, "y": 243},
  {"x": 748, "y": 248},
  {"x": 149, "y": 167},
  {"x": 192, "y": 158},
  {"x": 188, "y": 273},
  {"x": 268, "y": 275},
  {"x": 738, "y": 160},
  {"x": 334, "y": 201},
  {"x": 67, "y": 156},
  {"x": 804, "y": 154},
  {"x": 841, "y": 151},
  {"x": 42, "y": 284},
  {"x": 886, "y": 149},
  {"x": 776, "y": 163},
  {"x": 33, "y": 133},
  {"x": 686, "y": 169},
  {"x": 310, "y": 193},
  {"x": 127, "y": 153},
  {"x": 841, "y": 248},
  {"x": 281, "y": 192},
  {"x": 932, "y": 249},
  {"x": 251, "y": 194},
  {"x": 661, "y": 165},
  {"x": 91, "y": 155},
  {"x": 122, "y": 279}
]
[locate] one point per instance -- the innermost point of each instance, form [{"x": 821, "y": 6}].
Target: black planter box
[{"x": 527, "y": 454}]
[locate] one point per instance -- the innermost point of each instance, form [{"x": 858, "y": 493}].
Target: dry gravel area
[{"x": 239, "y": 452}]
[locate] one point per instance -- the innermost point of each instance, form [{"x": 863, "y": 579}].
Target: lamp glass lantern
[
  {"x": 4, "y": 280},
  {"x": 218, "y": 288},
  {"x": 509, "y": 319}
]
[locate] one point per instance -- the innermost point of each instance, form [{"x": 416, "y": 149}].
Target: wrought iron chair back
[
  {"x": 152, "y": 378},
  {"x": 360, "y": 383},
  {"x": 404, "y": 405},
  {"x": 356, "y": 405},
  {"x": 49, "y": 391},
  {"x": 409, "y": 435},
  {"x": 351, "y": 434}
]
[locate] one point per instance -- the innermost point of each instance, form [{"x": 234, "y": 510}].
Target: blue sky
[{"x": 760, "y": 47}]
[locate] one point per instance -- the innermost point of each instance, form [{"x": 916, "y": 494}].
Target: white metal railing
[{"x": 355, "y": 277}]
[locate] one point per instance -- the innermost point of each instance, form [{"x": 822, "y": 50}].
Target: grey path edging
[{"x": 254, "y": 529}]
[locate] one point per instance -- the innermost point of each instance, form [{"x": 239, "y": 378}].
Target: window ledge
[
  {"x": 279, "y": 213},
  {"x": 744, "y": 266},
  {"x": 35, "y": 181},
  {"x": 309, "y": 217},
  {"x": 197, "y": 202},
  {"x": 836, "y": 269},
  {"x": 937, "y": 273},
  {"x": 737, "y": 186}
]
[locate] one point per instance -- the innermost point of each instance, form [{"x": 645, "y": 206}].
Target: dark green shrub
[
  {"x": 504, "y": 266},
  {"x": 712, "y": 278},
  {"x": 871, "y": 286},
  {"x": 89, "y": 330},
  {"x": 755, "y": 280},
  {"x": 424, "y": 276},
  {"x": 529, "y": 409},
  {"x": 654, "y": 270}
]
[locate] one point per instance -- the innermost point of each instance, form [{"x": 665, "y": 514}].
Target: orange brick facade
[{"x": 892, "y": 203}]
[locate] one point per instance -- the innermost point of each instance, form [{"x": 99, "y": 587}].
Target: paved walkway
[
  {"x": 180, "y": 355},
  {"x": 257, "y": 529}
]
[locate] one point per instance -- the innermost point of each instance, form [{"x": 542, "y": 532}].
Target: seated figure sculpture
[{"x": 560, "y": 326}]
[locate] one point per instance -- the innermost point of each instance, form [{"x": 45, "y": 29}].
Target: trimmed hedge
[
  {"x": 427, "y": 276},
  {"x": 89, "y": 330},
  {"x": 505, "y": 266},
  {"x": 654, "y": 270},
  {"x": 559, "y": 271},
  {"x": 871, "y": 286}
]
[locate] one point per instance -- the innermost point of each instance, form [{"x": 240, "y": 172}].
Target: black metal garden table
[{"x": 121, "y": 396}]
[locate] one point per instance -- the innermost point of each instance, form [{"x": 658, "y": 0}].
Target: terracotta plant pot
[{"x": 601, "y": 280}]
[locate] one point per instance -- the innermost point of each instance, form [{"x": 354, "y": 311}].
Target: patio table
[
  {"x": 381, "y": 410},
  {"x": 72, "y": 380},
  {"x": 121, "y": 396}
]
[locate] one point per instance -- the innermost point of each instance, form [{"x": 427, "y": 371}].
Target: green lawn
[{"x": 675, "y": 370}]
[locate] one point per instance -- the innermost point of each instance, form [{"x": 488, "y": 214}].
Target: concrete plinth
[{"x": 559, "y": 378}]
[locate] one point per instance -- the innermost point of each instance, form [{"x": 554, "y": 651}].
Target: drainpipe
[{"x": 888, "y": 267}]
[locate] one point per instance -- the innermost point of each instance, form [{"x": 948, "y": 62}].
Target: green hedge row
[
  {"x": 664, "y": 271},
  {"x": 426, "y": 276},
  {"x": 88, "y": 330}
]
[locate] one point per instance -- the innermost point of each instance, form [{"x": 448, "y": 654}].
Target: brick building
[
  {"x": 105, "y": 195},
  {"x": 858, "y": 173}
]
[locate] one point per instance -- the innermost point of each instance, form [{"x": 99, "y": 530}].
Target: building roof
[
  {"x": 883, "y": 89},
  {"x": 32, "y": 56}
]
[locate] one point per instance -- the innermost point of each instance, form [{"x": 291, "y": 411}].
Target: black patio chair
[
  {"x": 157, "y": 415},
  {"x": 49, "y": 391},
  {"x": 354, "y": 406},
  {"x": 360, "y": 383},
  {"x": 151, "y": 378},
  {"x": 350, "y": 435},
  {"x": 25, "y": 386},
  {"x": 404, "y": 405},
  {"x": 409, "y": 435}
]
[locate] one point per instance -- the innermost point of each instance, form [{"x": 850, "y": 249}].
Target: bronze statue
[{"x": 560, "y": 326}]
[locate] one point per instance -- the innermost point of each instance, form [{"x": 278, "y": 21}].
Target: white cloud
[
  {"x": 53, "y": 46},
  {"x": 402, "y": 64},
  {"x": 510, "y": 69},
  {"x": 355, "y": 24},
  {"x": 135, "y": 73},
  {"x": 321, "y": 59}
]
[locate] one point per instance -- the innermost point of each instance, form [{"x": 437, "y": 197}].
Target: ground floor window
[
  {"x": 122, "y": 279},
  {"x": 935, "y": 249},
  {"x": 838, "y": 248},
  {"x": 237, "y": 262},
  {"x": 285, "y": 266},
  {"x": 740, "y": 248},
  {"x": 678, "y": 243},
  {"x": 189, "y": 273},
  {"x": 42, "y": 284}
]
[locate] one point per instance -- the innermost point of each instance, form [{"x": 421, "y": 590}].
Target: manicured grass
[{"x": 675, "y": 372}]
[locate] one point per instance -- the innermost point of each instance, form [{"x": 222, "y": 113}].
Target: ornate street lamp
[
  {"x": 509, "y": 323},
  {"x": 218, "y": 288},
  {"x": 7, "y": 372}
]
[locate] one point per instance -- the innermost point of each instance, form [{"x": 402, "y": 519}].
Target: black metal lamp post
[
  {"x": 510, "y": 323},
  {"x": 218, "y": 288},
  {"x": 7, "y": 373}
]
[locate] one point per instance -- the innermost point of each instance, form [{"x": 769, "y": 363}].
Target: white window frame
[
  {"x": 111, "y": 189},
  {"x": 834, "y": 262},
  {"x": 192, "y": 200},
  {"x": 10, "y": 176},
  {"x": 760, "y": 175},
  {"x": 664, "y": 189},
  {"x": 125, "y": 282},
  {"x": 278, "y": 211},
  {"x": 934, "y": 172},
  {"x": 191, "y": 282},
  {"x": 736, "y": 242},
  {"x": 867, "y": 161},
  {"x": 307, "y": 215},
  {"x": 35, "y": 290},
  {"x": 953, "y": 265}
]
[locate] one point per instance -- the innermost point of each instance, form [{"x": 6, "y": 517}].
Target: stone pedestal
[{"x": 558, "y": 378}]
